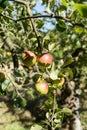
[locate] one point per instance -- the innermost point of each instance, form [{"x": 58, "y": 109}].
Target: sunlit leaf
[
  {"x": 5, "y": 84},
  {"x": 47, "y": 115},
  {"x": 82, "y": 9},
  {"x": 64, "y": 2},
  {"x": 54, "y": 75},
  {"x": 67, "y": 111},
  {"x": 78, "y": 30},
  {"x": 51, "y": 46}
]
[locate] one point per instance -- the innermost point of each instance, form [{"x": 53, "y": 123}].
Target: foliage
[{"x": 23, "y": 27}]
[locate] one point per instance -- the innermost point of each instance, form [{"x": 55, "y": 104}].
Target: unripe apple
[
  {"x": 42, "y": 87},
  {"x": 29, "y": 58},
  {"x": 46, "y": 59}
]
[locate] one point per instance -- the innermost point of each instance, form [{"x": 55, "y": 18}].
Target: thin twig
[
  {"x": 32, "y": 22},
  {"x": 56, "y": 17},
  {"x": 34, "y": 29},
  {"x": 10, "y": 18},
  {"x": 11, "y": 47},
  {"x": 14, "y": 85},
  {"x": 54, "y": 105},
  {"x": 20, "y": 1}
]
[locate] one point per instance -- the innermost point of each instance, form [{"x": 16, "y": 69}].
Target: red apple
[
  {"x": 42, "y": 87},
  {"x": 29, "y": 58},
  {"x": 46, "y": 59}
]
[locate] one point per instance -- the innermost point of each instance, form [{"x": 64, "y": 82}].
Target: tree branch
[
  {"x": 32, "y": 22},
  {"x": 10, "y": 18},
  {"x": 11, "y": 47},
  {"x": 47, "y": 16},
  {"x": 20, "y": 1},
  {"x": 34, "y": 29}
]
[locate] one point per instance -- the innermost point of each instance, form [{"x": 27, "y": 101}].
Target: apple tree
[{"x": 43, "y": 59}]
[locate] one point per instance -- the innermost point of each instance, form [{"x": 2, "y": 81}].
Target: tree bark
[{"x": 70, "y": 99}]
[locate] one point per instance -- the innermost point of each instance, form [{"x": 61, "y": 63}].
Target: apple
[
  {"x": 29, "y": 58},
  {"x": 46, "y": 59},
  {"x": 42, "y": 87}
]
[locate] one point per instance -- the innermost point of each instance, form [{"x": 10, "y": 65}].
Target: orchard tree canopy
[{"x": 43, "y": 60}]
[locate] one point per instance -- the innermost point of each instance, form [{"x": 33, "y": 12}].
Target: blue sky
[{"x": 40, "y": 9}]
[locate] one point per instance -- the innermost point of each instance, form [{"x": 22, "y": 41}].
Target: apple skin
[
  {"x": 46, "y": 59},
  {"x": 29, "y": 58},
  {"x": 42, "y": 87}
]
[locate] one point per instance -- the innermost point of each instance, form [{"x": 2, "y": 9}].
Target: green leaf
[
  {"x": 60, "y": 53},
  {"x": 79, "y": 30},
  {"x": 61, "y": 26},
  {"x": 67, "y": 111},
  {"x": 3, "y": 3},
  {"x": 47, "y": 115},
  {"x": 82, "y": 9},
  {"x": 1, "y": 9},
  {"x": 51, "y": 46},
  {"x": 23, "y": 12},
  {"x": 54, "y": 75},
  {"x": 68, "y": 62},
  {"x": 40, "y": 23},
  {"x": 5, "y": 84},
  {"x": 64, "y": 2},
  {"x": 24, "y": 102},
  {"x": 33, "y": 39},
  {"x": 14, "y": 94},
  {"x": 69, "y": 71}
]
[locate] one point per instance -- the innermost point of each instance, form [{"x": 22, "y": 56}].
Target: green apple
[{"x": 29, "y": 58}]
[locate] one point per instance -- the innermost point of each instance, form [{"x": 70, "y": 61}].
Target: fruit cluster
[
  {"x": 29, "y": 59},
  {"x": 46, "y": 59}
]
